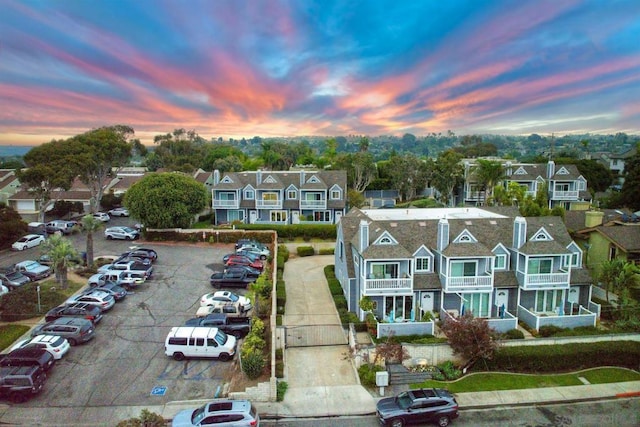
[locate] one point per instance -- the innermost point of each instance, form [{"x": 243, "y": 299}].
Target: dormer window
[
  {"x": 423, "y": 264},
  {"x": 249, "y": 194},
  {"x": 541, "y": 236},
  {"x": 335, "y": 194},
  {"x": 385, "y": 241},
  {"x": 226, "y": 180},
  {"x": 500, "y": 262},
  {"x": 292, "y": 194}
]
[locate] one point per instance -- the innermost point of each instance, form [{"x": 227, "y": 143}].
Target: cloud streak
[{"x": 285, "y": 68}]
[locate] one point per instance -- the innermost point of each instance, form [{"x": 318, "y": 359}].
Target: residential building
[
  {"x": 566, "y": 187},
  {"x": 9, "y": 184},
  {"x": 279, "y": 197},
  {"x": 449, "y": 261}
]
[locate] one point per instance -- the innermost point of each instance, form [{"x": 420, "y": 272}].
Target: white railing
[
  {"x": 313, "y": 204},
  {"x": 228, "y": 204},
  {"x": 269, "y": 204},
  {"x": 380, "y": 286},
  {"x": 572, "y": 195},
  {"x": 468, "y": 283},
  {"x": 546, "y": 279}
]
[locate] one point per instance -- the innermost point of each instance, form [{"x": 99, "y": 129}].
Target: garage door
[{"x": 315, "y": 335}]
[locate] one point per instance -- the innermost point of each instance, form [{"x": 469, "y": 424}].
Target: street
[{"x": 620, "y": 413}]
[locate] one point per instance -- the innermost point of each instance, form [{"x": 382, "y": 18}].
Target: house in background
[
  {"x": 566, "y": 187},
  {"x": 9, "y": 185},
  {"x": 279, "y": 197},
  {"x": 449, "y": 261}
]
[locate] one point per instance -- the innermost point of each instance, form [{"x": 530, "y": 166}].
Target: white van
[{"x": 188, "y": 341}]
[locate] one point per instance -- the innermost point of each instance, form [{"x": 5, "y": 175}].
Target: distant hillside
[{"x": 14, "y": 150}]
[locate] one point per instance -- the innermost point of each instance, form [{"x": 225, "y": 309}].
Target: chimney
[
  {"x": 259, "y": 176},
  {"x": 551, "y": 169},
  {"x": 519, "y": 232},
  {"x": 364, "y": 235},
  {"x": 443, "y": 234},
  {"x": 216, "y": 177},
  {"x": 593, "y": 218},
  {"x": 302, "y": 177}
]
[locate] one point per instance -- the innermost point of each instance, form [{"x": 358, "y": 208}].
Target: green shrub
[
  {"x": 281, "y": 296},
  {"x": 329, "y": 272},
  {"x": 334, "y": 287},
  {"x": 279, "y": 363},
  {"x": 281, "y": 389},
  {"x": 514, "y": 334},
  {"x": 146, "y": 419},
  {"x": 340, "y": 301},
  {"x": 349, "y": 317},
  {"x": 291, "y": 232},
  {"x": 284, "y": 252},
  {"x": 257, "y": 327},
  {"x": 253, "y": 363},
  {"x": 367, "y": 374},
  {"x": 10, "y": 333},
  {"x": 306, "y": 251},
  {"x": 326, "y": 251},
  {"x": 549, "y": 330},
  {"x": 449, "y": 371}
]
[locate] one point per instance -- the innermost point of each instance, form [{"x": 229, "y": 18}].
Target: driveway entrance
[{"x": 314, "y": 335}]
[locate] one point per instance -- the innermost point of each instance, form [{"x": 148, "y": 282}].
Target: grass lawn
[
  {"x": 10, "y": 333},
  {"x": 500, "y": 381}
]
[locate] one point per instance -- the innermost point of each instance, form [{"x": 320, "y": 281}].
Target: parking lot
[{"x": 125, "y": 364}]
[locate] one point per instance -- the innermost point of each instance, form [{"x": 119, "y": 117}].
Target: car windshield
[
  {"x": 403, "y": 400},
  {"x": 24, "y": 239},
  {"x": 233, "y": 297},
  {"x": 221, "y": 337},
  {"x": 198, "y": 415},
  {"x": 13, "y": 275},
  {"x": 128, "y": 229},
  {"x": 30, "y": 265}
]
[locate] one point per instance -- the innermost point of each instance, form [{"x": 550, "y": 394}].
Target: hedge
[
  {"x": 563, "y": 358},
  {"x": 290, "y": 232},
  {"x": 306, "y": 251}
]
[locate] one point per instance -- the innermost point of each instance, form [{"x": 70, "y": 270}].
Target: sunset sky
[{"x": 234, "y": 68}]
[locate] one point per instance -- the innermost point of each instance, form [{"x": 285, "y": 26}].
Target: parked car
[
  {"x": 75, "y": 329},
  {"x": 123, "y": 233},
  {"x": 233, "y": 259},
  {"x": 102, "y": 216},
  {"x": 215, "y": 298},
  {"x": 37, "y": 228},
  {"x": 237, "y": 412},
  {"x": 103, "y": 300},
  {"x": 33, "y": 270},
  {"x": 3, "y": 290},
  {"x": 238, "y": 328},
  {"x": 76, "y": 309},
  {"x": 56, "y": 345},
  {"x": 252, "y": 256},
  {"x": 119, "y": 212},
  {"x": 236, "y": 279},
  {"x": 261, "y": 253},
  {"x": 146, "y": 270},
  {"x": 250, "y": 242},
  {"x": 144, "y": 253},
  {"x": 126, "y": 279},
  {"x": 187, "y": 341},
  {"x": 127, "y": 258},
  {"x": 118, "y": 292},
  {"x": 28, "y": 356},
  {"x": 61, "y": 226},
  {"x": 13, "y": 279},
  {"x": 427, "y": 405},
  {"x": 252, "y": 273},
  {"x": 19, "y": 383},
  {"x": 28, "y": 241},
  {"x": 80, "y": 258},
  {"x": 234, "y": 311}
]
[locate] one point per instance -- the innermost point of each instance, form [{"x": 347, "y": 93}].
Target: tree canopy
[{"x": 166, "y": 200}]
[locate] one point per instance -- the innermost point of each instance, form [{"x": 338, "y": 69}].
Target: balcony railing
[
  {"x": 468, "y": 283},
  {"x": 226, "y": 204},
  {"x": 382, "y": 286},
  {"x": 269, "y": 204},
  {"x": 564, "y": 195},
  {"x": 313, "y": 204},
  {"x": 550, "y": 280}
]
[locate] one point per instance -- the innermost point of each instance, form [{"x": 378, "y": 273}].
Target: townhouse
[
  {"x": 415, "y": 264},
  {"x": 566, "y": 187},
  {"x": 279, "y": 197}
]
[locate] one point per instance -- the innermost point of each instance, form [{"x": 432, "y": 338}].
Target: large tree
[
  {"x": 447, "y": 175},
  {"x": 166, "y": 200},
  {"x": 471, "y": 337},
  {"x": 488, "y": 173},
  {"x": 409, "y": 175},
  {"x": 361, "y": 169},
  {"x": 181, "y": 150},
  {"x": 90, "y": 225},
  {"x": 629, "y": 192}
]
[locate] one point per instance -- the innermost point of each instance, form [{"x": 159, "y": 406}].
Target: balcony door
[
  {"x": 384, "y": 270},
  {"x": 551, "y": 301},
  {"x": 463, "y": 268},
  {"x": 398, "y": 308},
  {"x": 477, "y": 304}
]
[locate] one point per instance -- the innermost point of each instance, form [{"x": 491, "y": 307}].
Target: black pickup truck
[{"x": 238, "y": 327}]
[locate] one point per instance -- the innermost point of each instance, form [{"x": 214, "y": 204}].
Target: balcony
[
  {"x": 564, "y": 195},
  {"x": 269, "y": 204},
  {"x": 467, "y": 283},
  {"x": 374, "y": 287},
  {"x": 313, "y": 204},
  {"x": 226, "y": 204},
  {"x": 557, "y": 280}
]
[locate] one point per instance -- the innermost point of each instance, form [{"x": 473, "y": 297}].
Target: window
[
  {"x": 423, "y": 264},
  {"x": 292, "y": 194},
  {"x": 477, "y": 303},
  {"x": 270, "y": 198},
  {"x": 335, "y": 194},
  {"x": 384, "y": 271},
  {"x": 463, "y": 268},
  {"x": 235, "y": 215},
  {"x": 549, "y": 301},
  {"x": 398, "y": 308},
  {"x": 500, "y": 262},
  {"x": 612, "y": 252},
  {"x": 385, "y": 241},
  {"x": 279, "y": 216},
  {"x": 322, "y": 216},
  {"x": 249, "y": 194},
  {"x": 539, "y": 266}
]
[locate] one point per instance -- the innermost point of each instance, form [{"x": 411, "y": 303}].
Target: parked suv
[
  {"x": 33, "y": 270},
  {"x": 220, "y": 412},
  {"x": 28, "y": 356},
  {"x": 76, "y": 330},
  {"x": 13, "y": 279},
  {"x": 124, "y": 233},
  {"x": 426, "y": 405},
  {"x": 19, "y": 383},
  {"x": 76, "y": 309},
  {"x": 54, "y": 344},
  {"x": 60, "y": 226}
]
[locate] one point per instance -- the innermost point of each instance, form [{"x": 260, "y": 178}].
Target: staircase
[{"x": 398, "y": 374}]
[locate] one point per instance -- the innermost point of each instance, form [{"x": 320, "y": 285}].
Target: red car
[{"x": 232, "y": 260}]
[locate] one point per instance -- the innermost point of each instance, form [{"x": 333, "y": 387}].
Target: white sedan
[
  {"x": 215, "y": 298},
  {"x": 28, "y": 241},
  {"x": 119, "y": 212}
]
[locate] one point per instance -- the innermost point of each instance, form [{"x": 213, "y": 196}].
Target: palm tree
[
  {"x": 90, "y": 225},
  {"x": 61, "y": 253},
  {"x": 488, "y": 173},
  {"x": 618, "y": 276}
]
